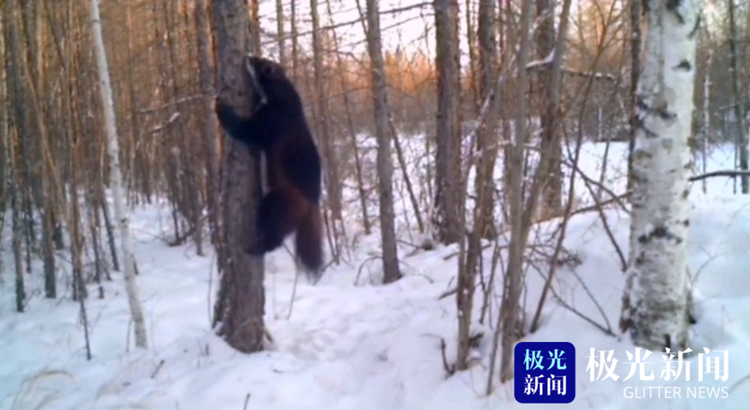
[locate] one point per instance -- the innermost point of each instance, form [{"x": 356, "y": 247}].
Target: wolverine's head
[
  {"x": 268, "y": 79},
  {"x": 263, "y": 68}
]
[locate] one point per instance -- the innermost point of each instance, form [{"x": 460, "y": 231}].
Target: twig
[
  {"x": 359, "y": 271},
  {"x": 454, "y": 254},
  {"x": 171, "y": 103},
  {"x": 449, "y": 369},
  {"x": 700, "y": 269},
  {"x": 85, "y": 320},
  {"x": 593, "y": 299},
  {"x": 247, "y": 399},
  {"x": 606, "y": 331},
  {"x": 724, "y": 173},
  {"x": 294, "y": 296},
  {"x": 330, "y": 27},
  {"x": 596, "y": 183},
  {"x": 617, "y": 199},
  {"x": 740, "y": 381},
  {"x": 548, "y": 64},
  {"x": 180, "y": 239},
  {"x": 607, "y": 230},
  {"x": 210, "y": 288},
  {"x": 563, "y": 226},
  {"x": 158, "y": 367}
]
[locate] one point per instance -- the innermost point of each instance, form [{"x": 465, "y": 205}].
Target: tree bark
[
  {"x": 487, "y": 142},
  {"x": 330, "y": 155},
  {"x": 448, "y": 153},
  {"x": 706, "y": 131},
  {"x": 209, "y": 125},
  {"x": 486, "y": 149},
  {"x": 280, "y": 32},
  {"x": 739, "y": 110},
  {"x": 635, "y": 73},
  {"x": 511, "y": 311},
  {"x": 656, "y": 301},
  {"x": 550, "y": 87},
  {"x": 239, "y": 310},
  {"x": 385, "y": 165}
]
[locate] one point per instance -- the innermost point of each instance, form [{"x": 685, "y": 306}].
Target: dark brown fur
[{"x": 278, "y": 126}]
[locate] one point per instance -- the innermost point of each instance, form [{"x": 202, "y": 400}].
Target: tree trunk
[
  {"x": 209, "y": 120},
  {"x": 367, "y": 225},
  {"x": 43, "y": 194},
  {"x": 511, "y": 311},
  {"x": 239, "y": 309},
  {"x": 113, "y": 146},
  {"x": 295, "y": 39},
  {"x": 706, "y": 134},
  {"x": 635, "y": 73},
  {"x": 17, "y": 254},
  {"x": 471, "y": 40},
  {"x": 325, "y": 137},
  {"x": 552, "y": 193},
  {"x": 487, "y": 136},
  {"x": 737, "y": 98},
  {"x": 280, "y": 32},
  {"x": 11, "y": 54},
  {"x": 486, "y": 149},
  {"x": 448, "y": 154},
  {"x": 385, "y": 165},
  {"x": 656, "y": 300}
]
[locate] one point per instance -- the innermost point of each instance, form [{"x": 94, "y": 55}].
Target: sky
[{"x": 405, "y": 29}]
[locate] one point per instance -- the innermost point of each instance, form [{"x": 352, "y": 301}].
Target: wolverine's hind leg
[{"x": 276, "y": 220}]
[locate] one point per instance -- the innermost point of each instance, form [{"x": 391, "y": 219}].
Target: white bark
[
  {"x": 657, "y": 303},
  {"x": 113, "y": 147}
]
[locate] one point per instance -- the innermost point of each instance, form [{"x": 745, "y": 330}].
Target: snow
[{"x": 365, "y": 346}]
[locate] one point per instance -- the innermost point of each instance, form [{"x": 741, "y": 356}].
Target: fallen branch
[
  {"x": 161, "y": 363},
  {"x": 247, "y": 400}
]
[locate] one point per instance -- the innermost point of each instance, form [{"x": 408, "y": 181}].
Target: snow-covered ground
[{"x": 352, "y": 346}]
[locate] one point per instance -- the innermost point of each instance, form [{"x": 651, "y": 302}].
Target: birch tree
[
  {"x": 113, "y": 148},
  {"x": 656, "y": 303}
]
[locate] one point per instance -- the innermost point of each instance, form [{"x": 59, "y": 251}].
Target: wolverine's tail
[{"x": 308, "y": 243}]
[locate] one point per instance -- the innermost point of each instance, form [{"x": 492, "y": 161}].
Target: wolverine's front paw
[{"x": 221, "y": 108}]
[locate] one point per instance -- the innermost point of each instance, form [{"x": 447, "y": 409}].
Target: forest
[{"x": 493, "y": 173}]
